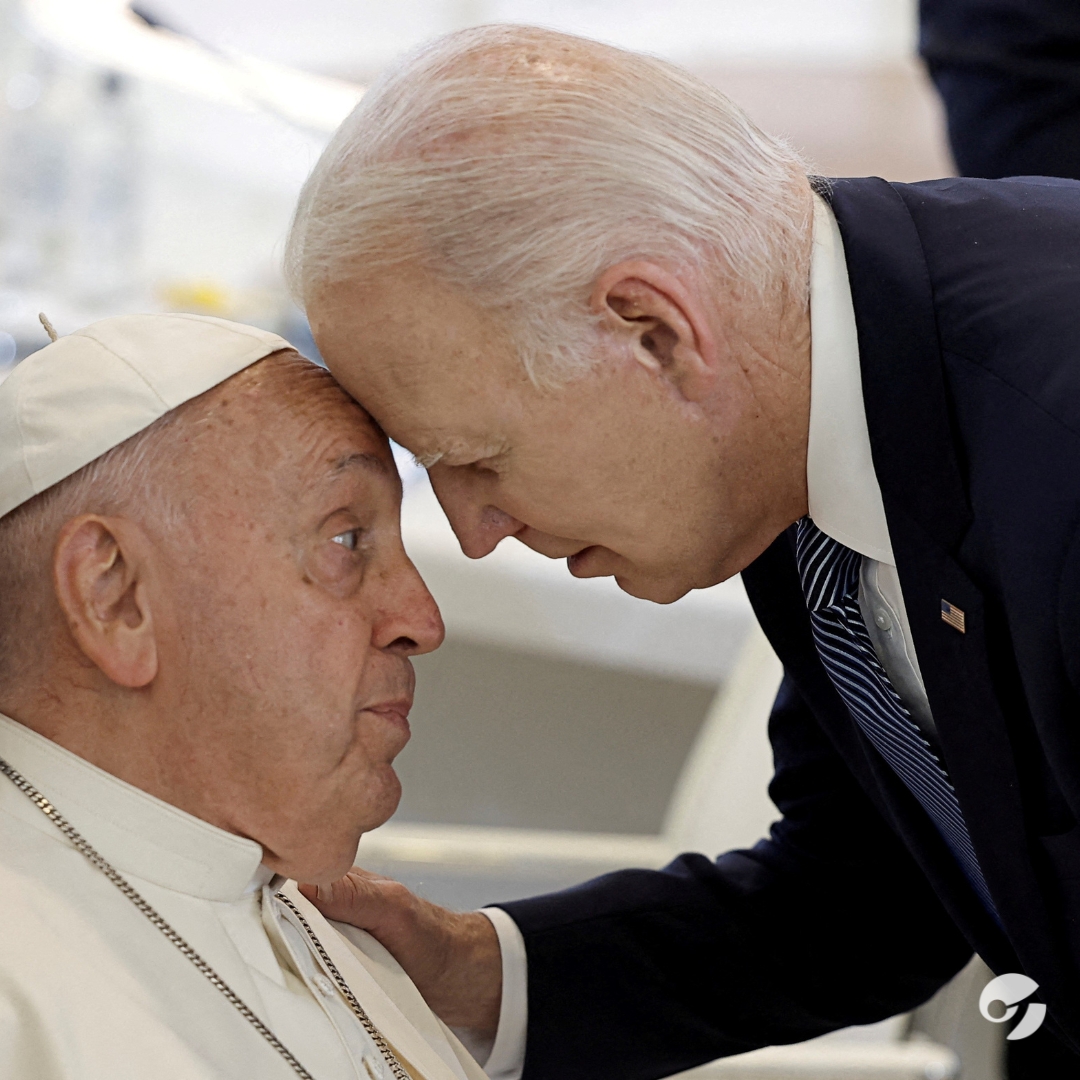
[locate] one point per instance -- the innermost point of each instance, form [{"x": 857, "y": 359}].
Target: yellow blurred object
[{"x": 198, "y": 298}]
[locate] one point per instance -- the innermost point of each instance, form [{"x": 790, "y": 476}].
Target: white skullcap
[{"x": 77, "y": 398}]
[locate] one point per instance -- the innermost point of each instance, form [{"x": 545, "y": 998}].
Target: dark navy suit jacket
[{"x": 967, "y": 302}]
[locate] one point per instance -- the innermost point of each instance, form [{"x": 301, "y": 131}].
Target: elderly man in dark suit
[{"x": 620, "y": 324}]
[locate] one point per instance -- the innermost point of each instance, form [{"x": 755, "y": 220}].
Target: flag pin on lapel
[{"x": 953, "y": 616}]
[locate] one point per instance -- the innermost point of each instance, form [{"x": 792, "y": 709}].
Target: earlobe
[{"x": 99, "y": 577}]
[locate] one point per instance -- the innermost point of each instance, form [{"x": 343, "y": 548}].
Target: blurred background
[{"x": 150, "y": 157}]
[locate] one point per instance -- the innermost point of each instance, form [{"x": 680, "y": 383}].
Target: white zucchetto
[{"x": 74, "y": 400}]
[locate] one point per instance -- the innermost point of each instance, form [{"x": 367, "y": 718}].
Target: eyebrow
[{"x": 371, "y": 462}]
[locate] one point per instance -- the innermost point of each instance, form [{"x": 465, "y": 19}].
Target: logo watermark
[{"x": 1010, "y": 990}]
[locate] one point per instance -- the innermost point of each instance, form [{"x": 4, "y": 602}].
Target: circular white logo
[{"x": 1010, "y": 990}]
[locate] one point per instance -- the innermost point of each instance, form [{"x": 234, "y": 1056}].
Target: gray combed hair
[{"x": 505, "y": 169}]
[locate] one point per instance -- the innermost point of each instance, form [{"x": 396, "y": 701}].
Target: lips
[{"x": 394, "y": 712}]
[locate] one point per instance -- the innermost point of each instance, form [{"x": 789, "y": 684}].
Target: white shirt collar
[
  {"x": 844, "y": 494},
  {"x": 136, "y": 832}
]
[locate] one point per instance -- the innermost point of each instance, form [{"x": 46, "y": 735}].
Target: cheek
[
  {"x": 282, "y": 644},
  {"x": 613, "y": 495},
  {"x": 324, "y": 655},
  {"x": 310, "y": 680}
]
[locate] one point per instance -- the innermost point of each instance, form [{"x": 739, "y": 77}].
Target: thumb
[{"x": 362, "y": 899}]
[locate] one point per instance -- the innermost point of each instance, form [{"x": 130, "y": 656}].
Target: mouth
[{"x": 395, "y": 713}]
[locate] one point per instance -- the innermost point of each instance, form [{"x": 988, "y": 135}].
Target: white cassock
[{"x": 91, "y": 990}]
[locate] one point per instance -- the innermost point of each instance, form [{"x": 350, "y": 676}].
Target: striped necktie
[{"x": 830, "y": 582}]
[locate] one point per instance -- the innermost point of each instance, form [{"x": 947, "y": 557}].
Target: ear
[
  {"x": 662, "y": 320},
  {"x": 99, "y": 572}
]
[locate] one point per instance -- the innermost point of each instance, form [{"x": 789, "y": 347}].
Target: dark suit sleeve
[
  {"x": 1008, "y": 72},
  {"x": 640, "y": 974}
]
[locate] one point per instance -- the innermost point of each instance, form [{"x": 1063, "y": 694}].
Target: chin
[
  {"x": 655, "y": 591},
  {"x": 378, "y": 808},
  {"x": 324, "y": 849},
  {"x": 381, "y": 808}
]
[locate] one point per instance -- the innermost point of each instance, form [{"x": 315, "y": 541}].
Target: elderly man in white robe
[{"x": 206, "y": 619}]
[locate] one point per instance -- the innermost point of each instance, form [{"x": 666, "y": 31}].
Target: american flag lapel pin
[{"x": 953, "y": 616}]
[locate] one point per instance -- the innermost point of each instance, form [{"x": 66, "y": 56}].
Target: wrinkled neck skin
[
  {"x": 763, "y": 448},
  {"x": 120, "y": 730}
]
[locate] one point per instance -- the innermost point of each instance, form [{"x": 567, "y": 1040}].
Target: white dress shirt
[
  {"x": 845, "y": 503},
  {"x": 91, "y": 990}
]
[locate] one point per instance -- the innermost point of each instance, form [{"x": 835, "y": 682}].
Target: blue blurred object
[
  {"x": 296, "y": 330},
  {"x": 9, "y": 349}
]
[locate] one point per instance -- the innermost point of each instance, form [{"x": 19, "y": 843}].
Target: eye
[{"x": 350, "y": 539}]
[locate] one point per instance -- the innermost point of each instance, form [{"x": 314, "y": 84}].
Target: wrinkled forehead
[{"x": 281, "y": 427}]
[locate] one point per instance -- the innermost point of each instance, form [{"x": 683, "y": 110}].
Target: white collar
[
  {"x": 136, "y": 832},
  {"x": 844, "y": 494}
]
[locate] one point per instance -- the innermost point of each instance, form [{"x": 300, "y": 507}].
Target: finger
[
  {"x": 362, "y": 899},
  {"x": 335, "y": 893}
]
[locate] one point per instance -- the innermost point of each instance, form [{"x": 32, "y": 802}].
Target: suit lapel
[
  {"x": 772, "y": 584},
  {"x": 913, "y": 445}
]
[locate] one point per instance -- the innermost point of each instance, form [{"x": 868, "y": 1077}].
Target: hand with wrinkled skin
[{"x": 453, "y": 958}]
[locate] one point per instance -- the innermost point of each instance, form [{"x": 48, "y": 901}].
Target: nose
[
  {"x": 410, "y": 623},
  {"x": 478, "y": 525}
]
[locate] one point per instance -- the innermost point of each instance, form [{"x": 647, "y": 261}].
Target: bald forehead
[
  {"x": 279, "y": 424},
  {"x": 539, "y": 62},
  {"x": 538, "y": 53},
  {"x": 282, "y": 389},
  {"x": 283, "y": 380}
]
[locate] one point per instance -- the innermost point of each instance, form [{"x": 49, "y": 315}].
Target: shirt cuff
[{"x": 507, "y": 1058}]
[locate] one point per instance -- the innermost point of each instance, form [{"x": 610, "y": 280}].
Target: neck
[
  {"x": 784, "y": 375},
  {"x": 793, "y": 413},
  {"x": 765, "y": 447},
  {"x": 118, "y": 730}
]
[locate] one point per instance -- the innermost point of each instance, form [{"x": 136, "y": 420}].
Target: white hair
[
  {"x": 133, "y": 474},
  {"x": 518, "y": 164}
]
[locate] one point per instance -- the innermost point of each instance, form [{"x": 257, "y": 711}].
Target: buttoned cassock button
[{"x": 373, "y": 1066}]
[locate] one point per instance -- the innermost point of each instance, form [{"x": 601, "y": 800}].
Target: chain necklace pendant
[
  {"x": 377, "y": 1037},
  {"x": 98, "y": 861}
]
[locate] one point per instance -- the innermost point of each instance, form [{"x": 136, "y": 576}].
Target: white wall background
[{"x": 360, "y": 36}]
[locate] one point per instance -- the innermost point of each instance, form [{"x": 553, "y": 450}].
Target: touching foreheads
[{"x": 518, "y": 164}]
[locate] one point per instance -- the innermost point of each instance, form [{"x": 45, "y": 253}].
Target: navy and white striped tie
[{"x": 830, "y": 581}]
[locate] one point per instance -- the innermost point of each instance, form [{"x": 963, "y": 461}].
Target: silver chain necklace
[{"x": 91, "y": 855}]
